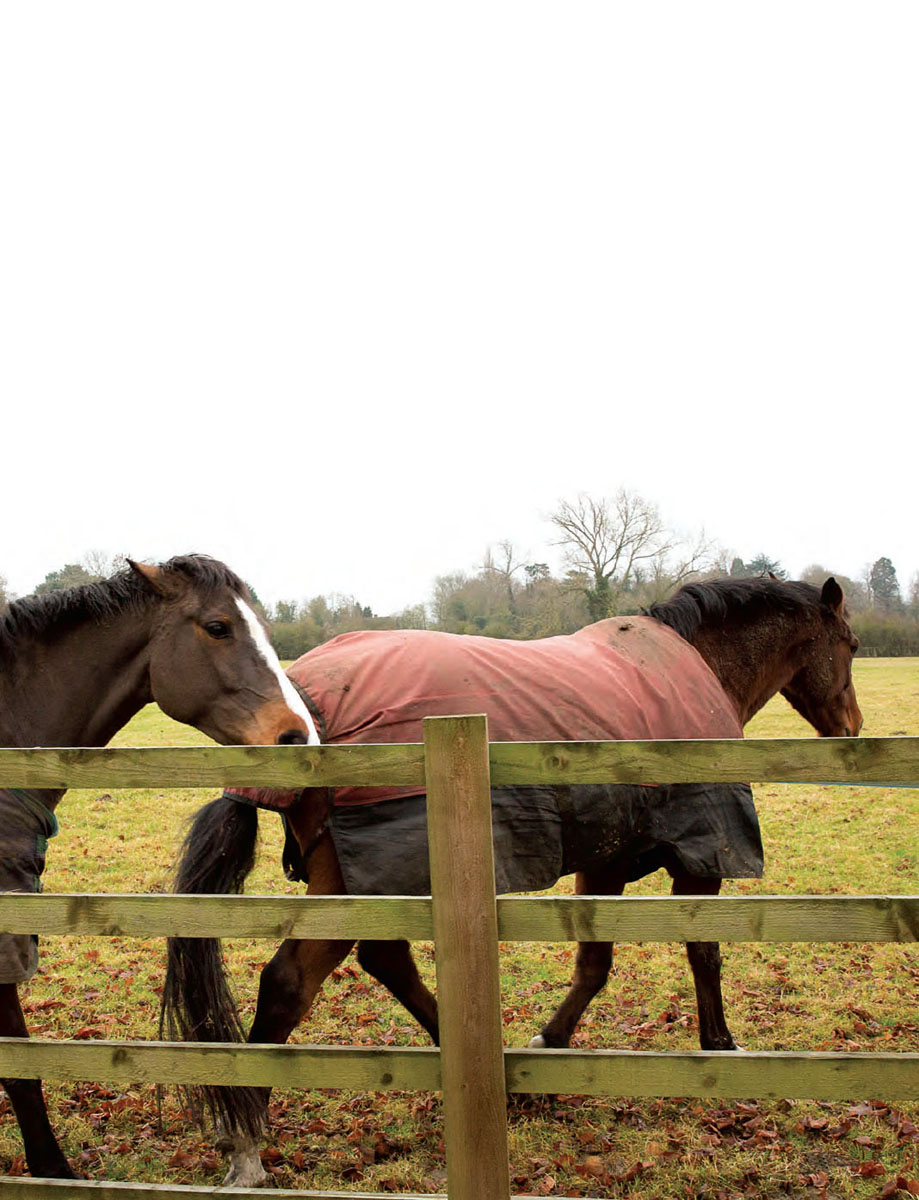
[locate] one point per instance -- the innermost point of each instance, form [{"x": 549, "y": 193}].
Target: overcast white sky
[{"x": 343, "y": 293}]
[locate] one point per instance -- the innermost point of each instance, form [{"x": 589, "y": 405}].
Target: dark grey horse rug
[{"x": 27, "y": 824}]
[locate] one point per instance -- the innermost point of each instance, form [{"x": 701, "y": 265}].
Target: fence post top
[
  {"x": 466, "y": 725},
  {"x": 457, "y": 717}
]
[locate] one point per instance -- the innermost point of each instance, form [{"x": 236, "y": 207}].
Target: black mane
[
  {"x": 36, "y": 616},
  {"x": 719, "y": 600}
]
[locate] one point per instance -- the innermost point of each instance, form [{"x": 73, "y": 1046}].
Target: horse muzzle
[{"x": 294, "y": 737}]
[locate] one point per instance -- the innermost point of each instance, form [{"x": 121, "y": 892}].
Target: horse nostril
[{"x": 293, "y": 737}]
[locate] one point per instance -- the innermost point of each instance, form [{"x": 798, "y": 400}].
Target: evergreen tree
[
  {"x": 70, "y": 575},
  {"x": 763, "y": 565},
  {"x": 885, "y": 590}
]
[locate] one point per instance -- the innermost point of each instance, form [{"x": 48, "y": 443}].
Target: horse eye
[{"x": 217, "y": 629}]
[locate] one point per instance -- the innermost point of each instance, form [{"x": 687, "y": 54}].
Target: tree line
[{"x": 617, "y": 556}]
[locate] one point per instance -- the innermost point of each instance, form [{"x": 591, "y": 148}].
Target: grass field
[{"x": 801, "y": 997}]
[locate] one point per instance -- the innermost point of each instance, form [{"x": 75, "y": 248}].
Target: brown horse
[
  {"x": 757, "y": 637},
  {"x": 75, "y": 666}
]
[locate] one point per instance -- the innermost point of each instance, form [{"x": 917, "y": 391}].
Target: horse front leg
[
  {"x": 391, "y": 963},
  {"x": 287, "y": 987},
  {"x": 591, "y": 970},
  {"x": 43, "y": 1154},
  {"x": 705, "y": 960}
]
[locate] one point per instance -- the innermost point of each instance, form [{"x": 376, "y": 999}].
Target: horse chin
[
  {"x": 537, "y": 1043},
  {"x": 831, "y": 723},
  {"x": 839, "y": 729}
]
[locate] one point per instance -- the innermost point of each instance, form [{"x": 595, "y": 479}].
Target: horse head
[
  {"x": 821, "y": 690},
  {"x": 211, "y": 664}
]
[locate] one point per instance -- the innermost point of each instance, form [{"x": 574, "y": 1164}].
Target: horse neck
[
  {"x": 78, "y": 686},
  {"x": 755, "y": 660}
]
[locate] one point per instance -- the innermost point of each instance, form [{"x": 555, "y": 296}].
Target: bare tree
[
  {"x": 5, "y": 595},
  {"x": 101, "y": 564},
  {"x": 684, "y": 560},
  {"x": 504, "y": 566},
  {"x": 612, "y": 545},
  {"x": 444, "y": 600},
  {"x": 854, "y": 590}
]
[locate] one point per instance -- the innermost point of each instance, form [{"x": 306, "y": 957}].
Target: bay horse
[
  {"x": 753, "y": 638},
  {"x": 75, "y": 666}
]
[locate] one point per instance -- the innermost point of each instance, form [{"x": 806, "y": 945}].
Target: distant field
[{"x": 818, "y": 839}]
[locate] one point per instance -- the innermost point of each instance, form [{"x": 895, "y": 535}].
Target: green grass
[{"x": 802, "y": 997}]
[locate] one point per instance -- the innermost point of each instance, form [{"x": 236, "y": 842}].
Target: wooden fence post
[{"x": 466, "y": 941}]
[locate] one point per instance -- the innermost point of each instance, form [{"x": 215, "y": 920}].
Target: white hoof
[
  {"x": 538, "y": 1042},
  {"x": 246, "y": 1168},
  {"x": 246, "y": 1173}
]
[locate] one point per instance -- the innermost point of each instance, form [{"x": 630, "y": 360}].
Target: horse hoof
[
  {"x": 60, "y": 1169},
  {"x": 246, "y": 1172},
  {"x": 538, "y": 1042}
]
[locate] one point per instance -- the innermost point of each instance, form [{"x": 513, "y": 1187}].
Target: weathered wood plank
[
  {"x": 817, "y": 1076},
  {"x": 805, "y": 760},
  {"x": 520, "y": 919},
  {"x": 358, "y": 1068},
  {"x": 218, "y": 916},
  {"x": 787, "y": 918},
  {"x": 813, "y": 1076},
  {"x": 212, "y": 766},
  {"x": 860, "y": 761},
  {"x": 466, "y": 935},
  {"x": 709, "y": 918},
  {"x": 26, "y": 1188}
]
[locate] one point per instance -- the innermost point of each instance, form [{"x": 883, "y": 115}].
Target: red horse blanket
[{"x": 624, "y": 678}]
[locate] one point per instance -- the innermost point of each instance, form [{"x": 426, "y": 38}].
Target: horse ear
[
  {"x": 152, "y": 575},
  {"x": 832, "y": 595}
]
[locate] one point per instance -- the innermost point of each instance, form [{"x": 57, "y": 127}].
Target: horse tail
[{"x": 198, "y": 1004}]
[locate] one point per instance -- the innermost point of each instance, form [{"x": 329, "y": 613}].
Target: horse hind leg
[
  {"x": 705, "y": 961},
  {"x": 44, "y": 1156},
  {"x": 287, "y": 987},
  {"x": 591, "y": 971},
  {"x": 391, "y": 963}
]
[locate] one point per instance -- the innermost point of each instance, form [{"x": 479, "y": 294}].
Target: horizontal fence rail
[
  {"x": 768, "y": 1074},
  {"x": 520, "y": 918},
  {"x": 864, "y": 762},
  {"x": 456, "y": 766},
  {"x": 24, "y": 1188}
]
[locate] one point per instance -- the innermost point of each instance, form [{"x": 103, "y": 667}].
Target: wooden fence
[{"x": 472, "y": 1069}]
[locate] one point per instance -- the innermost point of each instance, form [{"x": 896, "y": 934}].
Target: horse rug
[
  {"x": 623, "y": 678},
  {"x": 27, "y": 824}
]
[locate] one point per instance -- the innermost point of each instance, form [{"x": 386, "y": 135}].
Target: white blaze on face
[{"x": 288, "y": 691}]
